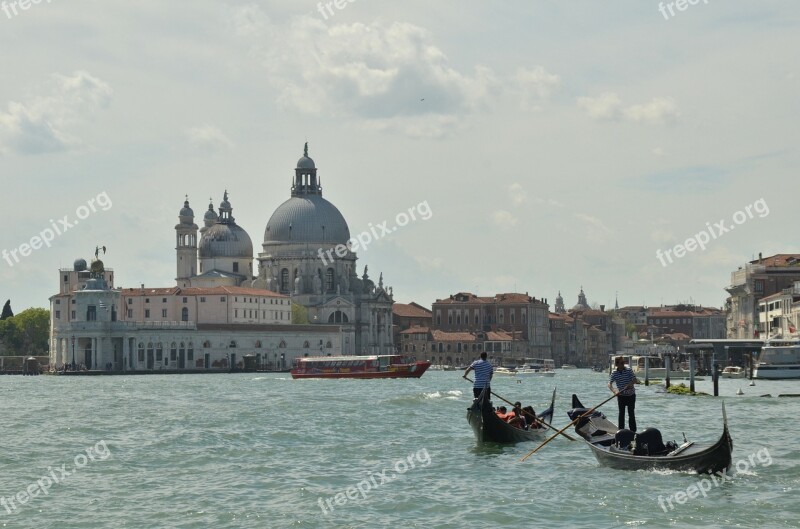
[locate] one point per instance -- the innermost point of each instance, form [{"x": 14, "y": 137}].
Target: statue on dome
[
  {"x": 317, "y": 284},
  {"x": 380, "y": 281},
  {"x": 298, "y": 283}
]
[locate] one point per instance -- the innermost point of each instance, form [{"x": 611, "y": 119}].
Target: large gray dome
[
  {"x": 307, "y": 214},
  {"x": 226, "y": 240}
]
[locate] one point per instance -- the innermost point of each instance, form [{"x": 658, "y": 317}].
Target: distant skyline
[{"x": 557, "y": 144}]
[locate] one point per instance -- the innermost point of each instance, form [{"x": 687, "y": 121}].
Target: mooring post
[
  {"x": 691, "y": 373},
  {"x": 668, "y": 364},
  {"x": 646, "y": 370},
  {"x": 716, "y": 379}
]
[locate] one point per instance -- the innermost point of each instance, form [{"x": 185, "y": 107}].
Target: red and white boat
[{"x": 375, "y": 366}]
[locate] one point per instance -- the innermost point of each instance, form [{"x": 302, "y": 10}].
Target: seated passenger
[
  {"x": 515, "y": 417},
  {"x": 530, "y": 417},
  {"x": 501, "y": 412}
]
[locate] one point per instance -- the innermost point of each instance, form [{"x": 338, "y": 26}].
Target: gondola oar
[
  {"x": 536, "y": 419},
  {"x": 581, "y": 416}
]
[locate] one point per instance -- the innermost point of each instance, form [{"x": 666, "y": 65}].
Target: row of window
[
  {"x": 673, "y": 321},
  {"x": 207, "y": 345}
]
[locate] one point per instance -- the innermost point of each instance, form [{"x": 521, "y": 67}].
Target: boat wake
[{"x": 450, "y": 395}]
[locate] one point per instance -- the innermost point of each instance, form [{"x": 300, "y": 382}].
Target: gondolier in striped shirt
[
  {"x": 625, "y": 380},
  {"x": 483, "y": 375}
]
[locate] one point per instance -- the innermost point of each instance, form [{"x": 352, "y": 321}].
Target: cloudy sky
[{"x": 558, "y": 144}]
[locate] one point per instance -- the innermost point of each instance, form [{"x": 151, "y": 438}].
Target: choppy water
[{"x": 254, "y": 450}]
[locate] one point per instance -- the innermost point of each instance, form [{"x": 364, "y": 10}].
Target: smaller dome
[
  {"x": 225, "y": 240},
  {"x": 186, "y": 211},
  {"x": 79, "y": 265},
  {"x": 306, "y": 163},
  {"x": 211, "y": 215}
]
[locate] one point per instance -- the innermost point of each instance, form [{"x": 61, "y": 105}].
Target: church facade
[{"x": 220, "y": 311}]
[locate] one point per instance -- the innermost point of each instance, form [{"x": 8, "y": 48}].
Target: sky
[{"x": 554, "y": 144}]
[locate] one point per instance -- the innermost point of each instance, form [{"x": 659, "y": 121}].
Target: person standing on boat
[
  {"x": 483, "y": 375},
  {"x": 625, "y": 380}
]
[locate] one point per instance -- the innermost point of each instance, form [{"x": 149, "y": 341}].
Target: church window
[
  {"x": 185, "y": 314},
  {"x": 91, "y": 313},
  {"x": 163, "y": 313},
  {"x": 66, "y": 278},
  {"x": 329, "y": 287},
  {"x": 130, "y": 301},
  {"x": 202, "y": 299},
  {"x": 258, "y": 344},
  {"x": 173, "y": 352},
  {"x": 141, "y": 352},
  {"x": 235, "y": 268},
  {"x": 233, "y": 344},
  {"x": 73, "y": 314},
  {"x": 130, "y": 313},
  {"x": 147, "y": 300},
  {"x": 329, "y": 344},
  {"x": 222, "y": 300},
  {"x": 285, "y": 280},
  {"x": 190, "y": 353},
  {"x": 58, "y": 314},
  {"x": 282, "y": 345},
  {"x": 146, "y": 313},
  {"x": 206, "y": 344}
]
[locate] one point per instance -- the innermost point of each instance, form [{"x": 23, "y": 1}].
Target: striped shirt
[
  {"x": 483, "y": 373},
  {"x": 623, "y": 378}
]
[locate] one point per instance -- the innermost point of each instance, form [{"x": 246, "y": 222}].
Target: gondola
[
  {"x": 489, "y": 428},
  {"x": 645, "y": 450}
]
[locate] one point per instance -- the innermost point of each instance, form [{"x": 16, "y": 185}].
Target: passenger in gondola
[
  {"x": 530, "y": 418},
  {"x": 515, "y": 417},
  {"x": 501, "y": 412},
  {"x": 625, "y": 380}
]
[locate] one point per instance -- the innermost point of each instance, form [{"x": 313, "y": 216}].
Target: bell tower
[{"x": 186, "y": 245}]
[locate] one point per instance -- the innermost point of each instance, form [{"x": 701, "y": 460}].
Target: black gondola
[
  {"x": 489, "y": 428},
  {"x": 626, "y": 450}
]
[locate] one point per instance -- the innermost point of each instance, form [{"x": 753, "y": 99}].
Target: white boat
[
  {"x": 733, "y": 372},
  {"x": 504, "y": 371},
  {"x": 539, "y": 368},
  {"x": 655, "y": 367},
  {"x": 568, "y": 366},
  {"x": 779, "y": 359}
]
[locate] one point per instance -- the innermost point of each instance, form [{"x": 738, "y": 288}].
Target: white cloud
[
  {"x": 535, "y": 86},
  {"x": 605, "y": 106},
  {"x": 504, "y": 219},
  {"x": 517, "y": 194},
  {"x": 208, "y": 137},
  {"x": 659, "y": 110},
  {"x": 594, "y": 227},
  {"x": 42, "y": 123},
  {"x": 375, "y": 72},
  {"x": 608, "y": 106}
]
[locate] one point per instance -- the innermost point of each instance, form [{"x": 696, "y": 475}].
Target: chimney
[
  {"x": 759, "y": 257},
  {"x": 602, "y": 308}
]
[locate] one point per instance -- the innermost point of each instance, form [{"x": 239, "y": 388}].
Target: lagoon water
[{"x": 263, "y": 450}]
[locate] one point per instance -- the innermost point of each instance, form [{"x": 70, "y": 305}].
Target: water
[{"x": 255, "y": 450}]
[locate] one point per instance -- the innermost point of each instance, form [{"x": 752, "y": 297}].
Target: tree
[
  {"x": 27, "y": 333},
  {"x": 299, "y": 314},
  {"x": 7, "y": 312}
]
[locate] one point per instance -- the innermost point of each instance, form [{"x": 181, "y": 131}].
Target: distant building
[
  {"x": 523, "y": 317},
  {"x": 749, "y": 284},
  {"x": 408, "y": 315},
  {"x": 779, "y": 314}
]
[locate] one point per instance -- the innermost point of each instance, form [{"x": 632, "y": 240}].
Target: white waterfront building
[{"x": 219, "y": 312}]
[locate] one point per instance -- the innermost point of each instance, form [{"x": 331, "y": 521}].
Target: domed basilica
[{"x": 300, "y": 230}]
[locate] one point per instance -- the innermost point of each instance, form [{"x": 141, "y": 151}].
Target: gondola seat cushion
[
  {"x": 649, "y": 443},
  {"x": 623, "y": 438}
]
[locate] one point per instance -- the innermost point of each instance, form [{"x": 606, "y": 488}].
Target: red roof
[
  {"x": 442, "y": 336},
  {"x": 411, "y": 310},
  {"x": 780, "y": 259},
  {"x": 415, "y": 330}
]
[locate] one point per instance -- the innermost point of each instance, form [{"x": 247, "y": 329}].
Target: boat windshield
[{"x": 781, "y": 355}]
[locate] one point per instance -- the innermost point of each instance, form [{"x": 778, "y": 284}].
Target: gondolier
[
  {"x": 483, "y": 375},
  {"x": 625, "y": 379}
]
